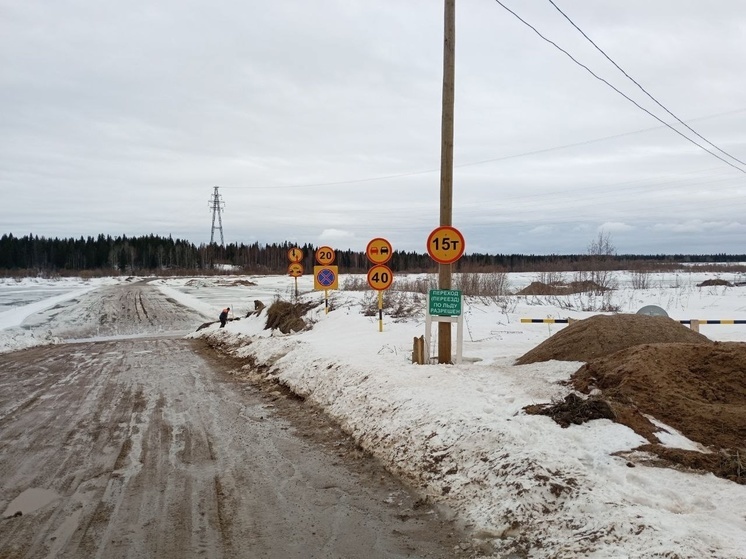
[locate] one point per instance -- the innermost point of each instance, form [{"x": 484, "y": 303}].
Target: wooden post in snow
[{"x": 446, "y": 162}]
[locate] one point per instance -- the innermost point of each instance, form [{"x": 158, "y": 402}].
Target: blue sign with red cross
[{"x": 325, "y": 277}]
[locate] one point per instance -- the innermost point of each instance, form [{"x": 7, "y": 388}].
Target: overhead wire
[
  {"x": 635, "y": 192},
  {"x": 596, "y": 207},
  {"x": 637, "y": 189},
  {"x": 597, "y": 194},
  {"x": 645, "y": 91},
  {"x": 643, "y": 191},
  {"x": 470, "y": 163},
  {"x": 576, "y": 61}
]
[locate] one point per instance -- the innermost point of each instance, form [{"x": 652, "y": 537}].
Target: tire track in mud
[
  {"x": 155, "y": 451},
  {"x": 142, "y": 306},
  {"x": 130, "y": 309},
  {"x": 72, "y": 462},
  {"x": 134, "y": 306}
]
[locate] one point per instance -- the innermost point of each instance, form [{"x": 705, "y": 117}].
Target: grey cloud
[{"x": 119, "y": 118}]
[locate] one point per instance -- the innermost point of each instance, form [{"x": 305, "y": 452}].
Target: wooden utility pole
[{"x": 446, "y": 163}]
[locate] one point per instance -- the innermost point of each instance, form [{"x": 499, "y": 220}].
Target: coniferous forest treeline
[{"x": 164, "y": 255}]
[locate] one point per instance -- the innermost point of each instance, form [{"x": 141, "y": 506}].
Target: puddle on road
[{"x": 29, "y": 501}]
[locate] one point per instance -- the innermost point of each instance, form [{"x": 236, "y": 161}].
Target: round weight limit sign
[
  {"x": 380, "y": 277},
  {"x": 446, "y": 244}
]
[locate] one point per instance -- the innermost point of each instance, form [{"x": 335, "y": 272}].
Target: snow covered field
[
  {"x": 22, "y": 299},
  {"x": 525, "y": 486}
]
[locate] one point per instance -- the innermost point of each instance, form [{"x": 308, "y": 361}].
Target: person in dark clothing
[{"x": 224, "y": 316}]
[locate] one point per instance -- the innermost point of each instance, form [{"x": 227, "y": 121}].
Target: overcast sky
[{"x": 320, "y": 122}]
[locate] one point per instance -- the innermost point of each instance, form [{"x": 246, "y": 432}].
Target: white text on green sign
[{"x": 445, "y": 302}]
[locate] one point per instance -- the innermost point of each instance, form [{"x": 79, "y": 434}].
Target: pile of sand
[
  {"x": 541, "y": 288},
  {"x": 642, "y": 367},
  {"x": 699, "y": 389},
  {"x": 603, "y": 335}
]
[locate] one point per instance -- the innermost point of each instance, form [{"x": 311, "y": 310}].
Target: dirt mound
[
  {"x": 239, "y": 282},
  {"x": 287, "y": 317},
  {"x": 574, "y": 410},
  {"x": 698, "y": 389},
  {"x": 642, "y": 367},
  {"x": 708, "y": 283},
  {"x": 602, "y": 335},
  {"x": 540, "y": 288}
]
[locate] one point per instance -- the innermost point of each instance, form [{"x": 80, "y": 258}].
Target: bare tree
[
  {"x": 602, "y": 245},
  {"x": 640, "y": 279},
  {"x": 599, "y": 258}
]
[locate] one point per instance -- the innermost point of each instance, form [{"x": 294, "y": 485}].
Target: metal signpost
[
  {"x": 379, "y": 251},
  {"x": 380, "y": 277},
  {"x": 325, "y": 276},
  {"x": 295, "y": 268}
]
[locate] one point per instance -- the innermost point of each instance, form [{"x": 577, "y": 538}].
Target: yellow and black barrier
[
  {"x": 723, "y": 321},
  {"x": 693, "y": 323}
]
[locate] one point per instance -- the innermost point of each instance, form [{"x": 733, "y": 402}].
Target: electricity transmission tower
[{"x": 216, "y": 204}]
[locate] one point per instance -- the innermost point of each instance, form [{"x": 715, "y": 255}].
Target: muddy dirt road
[{"x": 146, "y": 448}]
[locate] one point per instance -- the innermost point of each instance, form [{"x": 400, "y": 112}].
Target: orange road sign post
[
  {"x": 295, "y": 269},
  {"x": 325, "y": 278},
  {"x": 380, "y": 311},
  {"x": 380, "y": 278},
  {"x": 379, "y": 251}
]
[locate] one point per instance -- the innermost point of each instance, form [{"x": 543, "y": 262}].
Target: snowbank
[
  {"x": 459, "y": 434},
  {"x": 21, "y": 299}
]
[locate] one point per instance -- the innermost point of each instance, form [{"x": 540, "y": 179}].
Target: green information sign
[{"x": 444, "y": 302}]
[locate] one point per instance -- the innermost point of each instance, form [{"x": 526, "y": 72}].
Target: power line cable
[
  {"x": 599, "y": 49},
  {"x": 469, "y": 164},
  {"x": 591, "y": 72},
  {"x": 608, "y": 195},
  {"x": 474, "y": 163}
]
